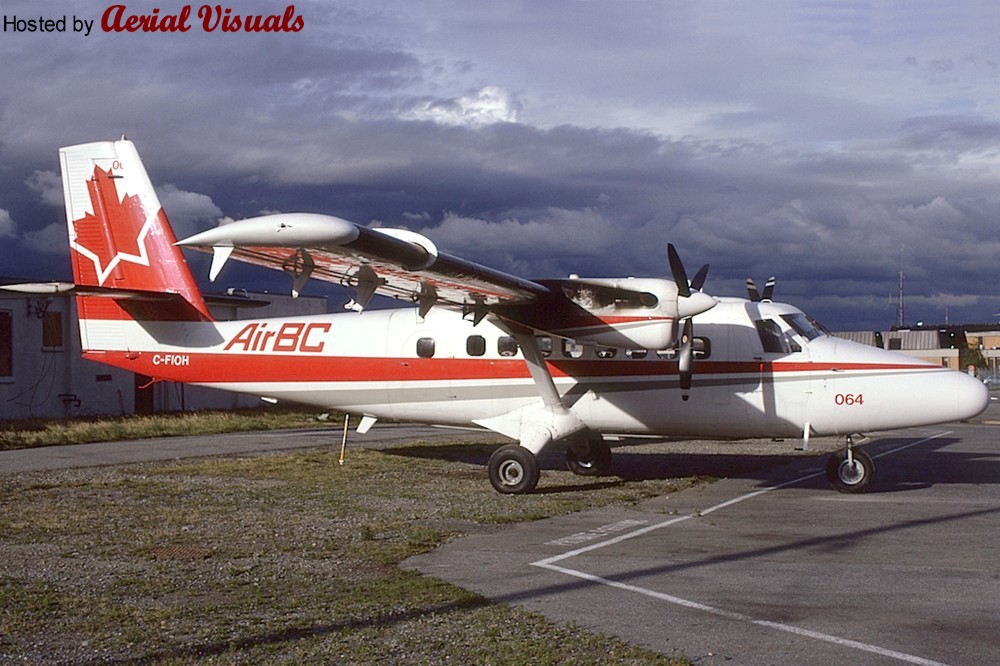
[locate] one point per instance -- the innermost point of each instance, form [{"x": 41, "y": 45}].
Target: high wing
[
  {"x": 642, "y": 313},
  {"x": 393, "y": 262}
]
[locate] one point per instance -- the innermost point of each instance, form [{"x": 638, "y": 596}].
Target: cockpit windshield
[{"x": 806, "y": 326}]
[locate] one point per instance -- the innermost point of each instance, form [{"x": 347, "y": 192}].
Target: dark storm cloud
[{"x": 823, "y": 144}]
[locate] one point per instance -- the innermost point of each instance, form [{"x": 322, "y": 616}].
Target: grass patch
[
  {"x": 29, "y": 433},
  {"x": 286, "y": 557}
]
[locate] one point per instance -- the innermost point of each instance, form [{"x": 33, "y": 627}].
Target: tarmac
[
  {"x": 772, "y": 567},
  {"x": 782, "y": 570}
]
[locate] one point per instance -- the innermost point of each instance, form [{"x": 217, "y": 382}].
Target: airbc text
[{"x": 289, "y": 337}]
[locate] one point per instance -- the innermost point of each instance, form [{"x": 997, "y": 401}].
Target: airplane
[{"x": 571, "y": 362}]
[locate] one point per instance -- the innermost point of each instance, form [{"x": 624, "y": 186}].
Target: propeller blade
[
  {"x": 685, "y": 358},
  {"x": 752, "y": 291},
  {"x": 768, "y": 289},
  {"x": 699, "y": 278},
  {"x": 677, "y": 269}
]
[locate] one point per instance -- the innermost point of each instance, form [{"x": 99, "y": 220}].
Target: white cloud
[
  {"x": 49, "y": 185},
  {"x": 8, "y": 228},
  {"x": 187, "y": 211},
  {"x": 487, "y": 106}
]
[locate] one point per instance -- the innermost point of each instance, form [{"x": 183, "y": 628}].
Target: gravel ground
[{"x": 291, "y": 557}]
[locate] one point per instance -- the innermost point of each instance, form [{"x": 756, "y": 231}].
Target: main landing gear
[
  {"x": 513, "y": 469},
  {"x": 589, "y": 457},
  {"x": 851, "y": 470}
]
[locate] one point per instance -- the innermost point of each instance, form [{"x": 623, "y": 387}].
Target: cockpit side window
[{"x": 772, "y": 338}]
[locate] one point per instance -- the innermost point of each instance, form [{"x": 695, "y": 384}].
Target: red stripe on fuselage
[{"x": 219, "y": 367}]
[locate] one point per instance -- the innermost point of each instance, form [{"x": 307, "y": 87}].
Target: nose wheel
[{"x": 851, "y": 470}]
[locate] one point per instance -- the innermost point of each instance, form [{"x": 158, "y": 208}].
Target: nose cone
[{"x": 973, "y": 397}]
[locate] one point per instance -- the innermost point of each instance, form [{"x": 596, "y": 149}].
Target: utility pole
[{"x": 899, "y": 305}]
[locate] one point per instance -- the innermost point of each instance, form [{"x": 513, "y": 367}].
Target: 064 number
[{"x": 848, "y": 399}]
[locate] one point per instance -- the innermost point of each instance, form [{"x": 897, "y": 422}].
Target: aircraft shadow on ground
[
  {"x": 896, "y": 473},
  {"x": 627, "y": 465}
]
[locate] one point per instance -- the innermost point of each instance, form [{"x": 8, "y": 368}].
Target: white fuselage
[{"x": 761, "y": 370}]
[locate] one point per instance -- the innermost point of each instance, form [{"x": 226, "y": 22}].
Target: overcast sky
[{"x": 826, "y": 143}]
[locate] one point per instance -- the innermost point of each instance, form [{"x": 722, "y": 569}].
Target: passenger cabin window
[
  {"x": 425, "y": 347},
  {"x": 605, "y": 352},
  {"x": 475, "y": 345},
  {"x": 636, "y": 353},
  {"x": 506, "y": 346},
  {"x": 701, "y": 348},
  {"x": 545, "y": 345},
  {"x": 570, "y": 349}
]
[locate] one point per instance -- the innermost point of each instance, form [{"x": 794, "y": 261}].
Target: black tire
[
  {"x": 847, "y": 478},
  {"x": 591, "y": 457},
  {"x": 513, "y": 470}
]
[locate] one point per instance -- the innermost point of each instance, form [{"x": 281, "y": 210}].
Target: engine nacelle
[{"x": 623, "y": 313}]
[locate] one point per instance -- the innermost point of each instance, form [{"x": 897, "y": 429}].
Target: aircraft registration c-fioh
[{"x": 553, "y": 361}]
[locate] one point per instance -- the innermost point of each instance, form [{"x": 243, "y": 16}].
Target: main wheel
[
  {"x": 589, "y": 457},
  {"x": 850, "y": 476},
  {"x": 513, "y": 470}
]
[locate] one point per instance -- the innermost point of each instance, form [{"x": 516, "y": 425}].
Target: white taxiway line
[{"x": 550, "y": 564}]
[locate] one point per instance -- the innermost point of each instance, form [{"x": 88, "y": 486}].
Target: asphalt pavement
[{"x": 776, "y": 571}]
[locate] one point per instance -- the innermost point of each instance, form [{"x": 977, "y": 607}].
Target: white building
[{"x": 43, "y": 374}]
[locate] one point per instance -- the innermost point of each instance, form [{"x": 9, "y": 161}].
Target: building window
[
  {"x": 475, "y": 345},
  {"x": 6, "y": 344},
  {"x": 52, "y": 330},
  {"x": 425, "y": 347}
]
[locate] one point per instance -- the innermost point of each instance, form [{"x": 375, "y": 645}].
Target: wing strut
[
  {"x": 536, "y": 426},
  {"x": 540, "y": 374}
]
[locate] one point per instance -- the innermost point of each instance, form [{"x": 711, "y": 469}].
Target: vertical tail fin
[{"x": 120, "y": 238}]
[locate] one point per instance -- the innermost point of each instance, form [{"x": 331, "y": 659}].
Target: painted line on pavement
[{"x": 550, "y": 564}]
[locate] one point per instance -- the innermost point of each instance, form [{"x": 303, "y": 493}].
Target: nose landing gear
[{"x": 851, "y": 470}]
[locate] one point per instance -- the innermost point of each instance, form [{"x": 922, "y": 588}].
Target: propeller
[
  {"x": 690, "y": 301},
  {"x": 768, "y": 290}
]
